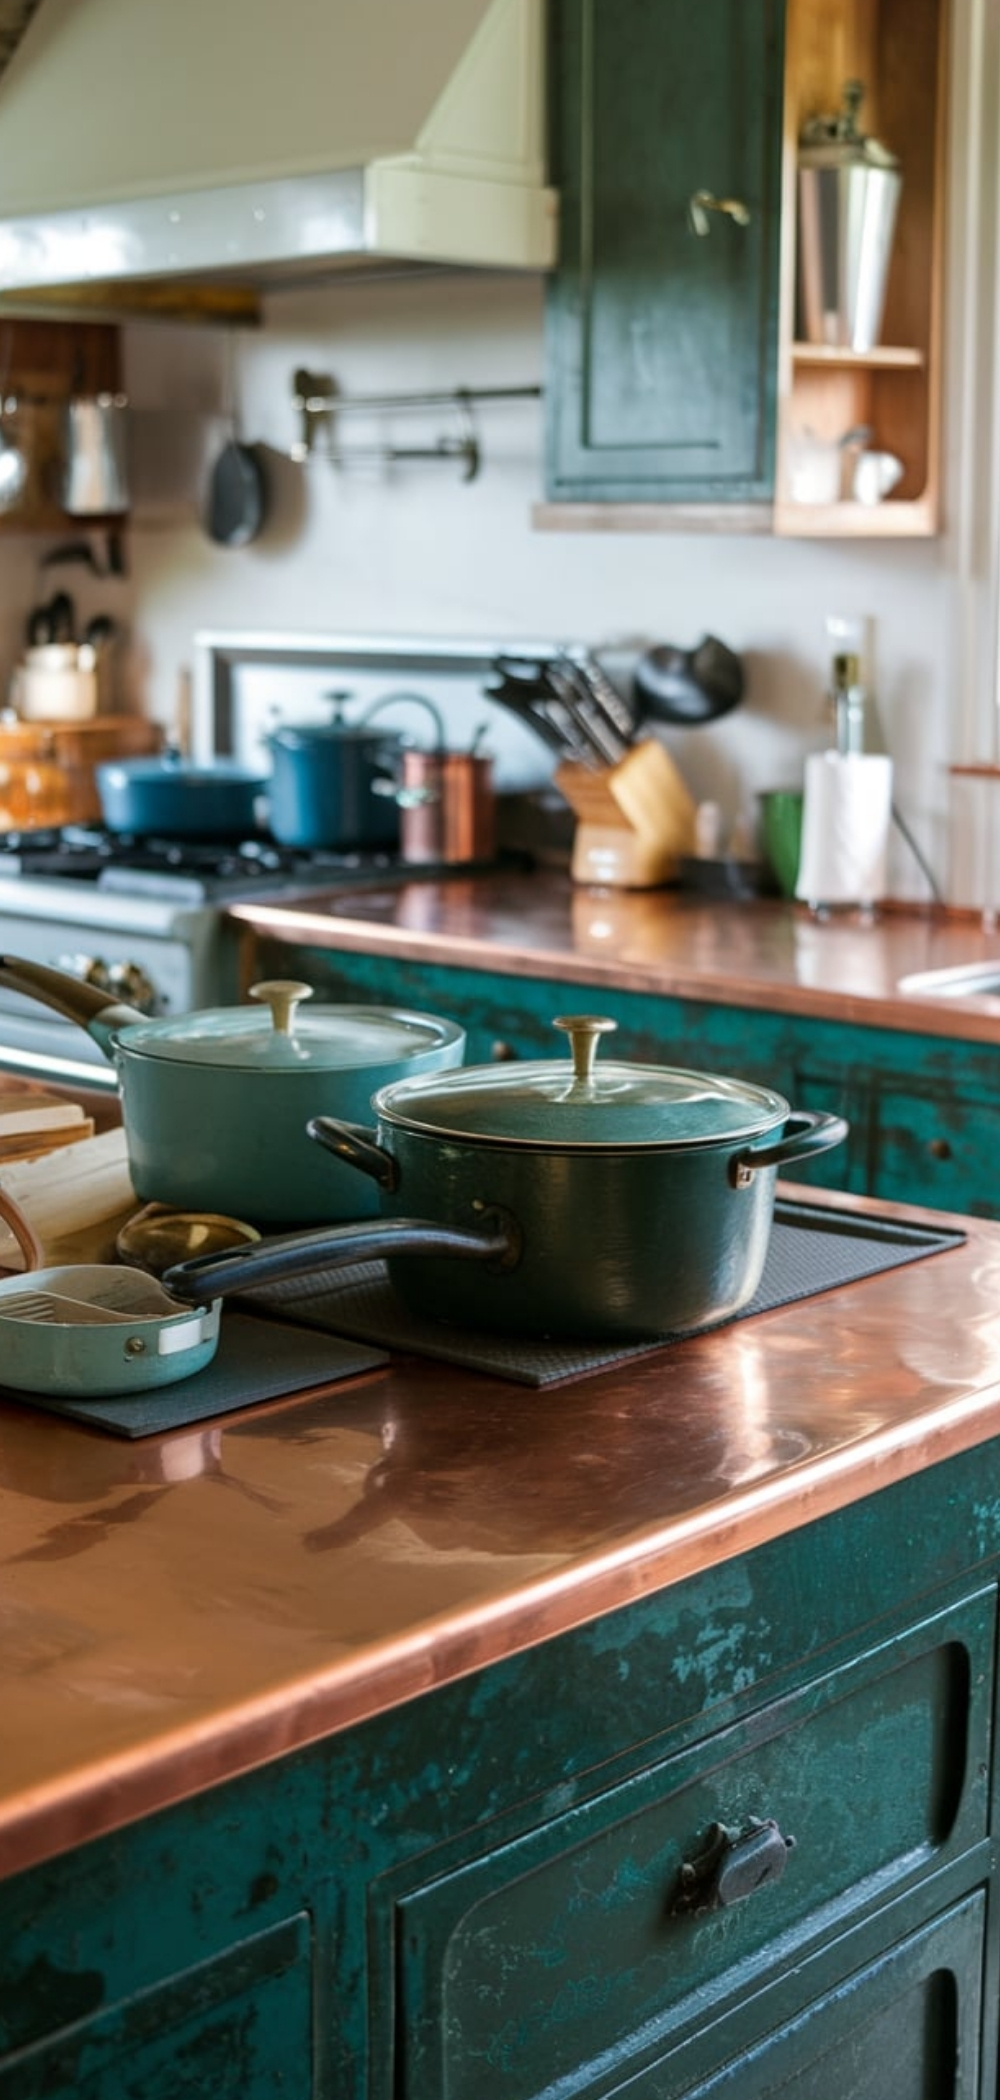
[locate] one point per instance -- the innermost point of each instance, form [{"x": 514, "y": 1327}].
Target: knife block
[{"x": 635, "y": 820}]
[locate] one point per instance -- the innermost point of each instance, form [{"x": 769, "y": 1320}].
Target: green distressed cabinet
[
  {"x": 662, "y": 315},
  {"x": 924, "y": 1111},
  {"x": 680, "y": 388},
  {"x": 735, "y": 1837}
]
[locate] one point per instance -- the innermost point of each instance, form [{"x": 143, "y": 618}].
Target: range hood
[{"x": 241, "y": 142}]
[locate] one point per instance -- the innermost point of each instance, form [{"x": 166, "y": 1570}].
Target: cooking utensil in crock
[
  {"x": 687, "y": 686},
  {"x": 168, "y": 796},
  {"x": 622, "y": 1202},
  {"x": 90, "y": 1328},
  {"x": 215, "y": 1104}
]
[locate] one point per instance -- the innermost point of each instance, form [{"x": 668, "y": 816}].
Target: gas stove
[
  {"x": 185, "y": 871},
  {"x": 146, "y": 918}
]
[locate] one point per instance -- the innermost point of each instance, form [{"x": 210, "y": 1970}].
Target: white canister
[
  {"x": 57, "y": 682},
  {"x": 845, "y": 828}
]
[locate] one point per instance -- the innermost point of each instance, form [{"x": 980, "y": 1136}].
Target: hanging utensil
[
  {"x": 687, "y": 686},
  {"x": 235, "y": 509},
  {"x": 13, "y": 465}
]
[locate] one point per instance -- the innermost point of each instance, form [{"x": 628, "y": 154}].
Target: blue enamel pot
[
  {"x": 216, "y": 1105},
  {"x": 169, "y": 797}
]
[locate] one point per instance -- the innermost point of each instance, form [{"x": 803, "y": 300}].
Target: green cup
[{"x": 781, "y": 834}]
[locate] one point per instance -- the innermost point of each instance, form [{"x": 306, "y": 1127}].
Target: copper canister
[
  {"x": 47, "y": 768},
  {"x": 447, "y": 806}
]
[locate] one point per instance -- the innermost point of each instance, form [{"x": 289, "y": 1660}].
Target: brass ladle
[{"x": 158, "y": 1236}]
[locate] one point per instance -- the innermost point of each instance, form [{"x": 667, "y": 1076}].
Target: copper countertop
[
  {"x": 767, "y": 953},
  {"x": 179, "y": 1609}
]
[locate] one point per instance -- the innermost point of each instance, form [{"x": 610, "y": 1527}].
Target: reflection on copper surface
[
  {"x": 250, "y": 1586},
  {"x": 770, "y": 954}
]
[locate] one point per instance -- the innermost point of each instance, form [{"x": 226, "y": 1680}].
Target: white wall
[{"x": 415, "y": 549}]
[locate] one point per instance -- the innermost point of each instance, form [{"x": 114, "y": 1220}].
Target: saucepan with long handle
[
  {"x": 215, "y": 1104},
  {"x": 555, "y": 1198}
]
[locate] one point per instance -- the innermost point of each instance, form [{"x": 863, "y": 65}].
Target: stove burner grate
[{"x": 194, "y": 871}]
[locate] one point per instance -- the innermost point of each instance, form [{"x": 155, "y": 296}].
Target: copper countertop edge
[
  {"x": 37, "y": 1824},
  {"x": 905, "y": 1012}
]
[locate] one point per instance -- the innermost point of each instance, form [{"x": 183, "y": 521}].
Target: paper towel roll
[{"x": 845, "y": 828}]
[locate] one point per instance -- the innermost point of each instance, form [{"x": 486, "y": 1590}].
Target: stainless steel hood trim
[
  {"x": 449, "y": 196},
  {"x": 287, "y": 228}
]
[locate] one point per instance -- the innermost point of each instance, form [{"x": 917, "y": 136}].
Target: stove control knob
[
  {"x": 129, "y": 981},
  {"x": 88, "y": 968}
]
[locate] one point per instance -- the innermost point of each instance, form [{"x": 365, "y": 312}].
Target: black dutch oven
[{"x": 620, "y": 1201}]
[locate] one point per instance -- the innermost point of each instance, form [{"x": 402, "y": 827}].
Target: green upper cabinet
[{"x": 662, "y": 316}]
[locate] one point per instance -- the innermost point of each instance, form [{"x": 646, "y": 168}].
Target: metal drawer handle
[
  {"x": 702, "y": 203},
  {"x": 731, "y": 1866}
]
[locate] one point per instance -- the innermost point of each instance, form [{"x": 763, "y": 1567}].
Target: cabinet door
[
  {"x": 238, "y": 2027},
  {"x": 618, "y": 1931},
  {"x": 661, "y": 345}
]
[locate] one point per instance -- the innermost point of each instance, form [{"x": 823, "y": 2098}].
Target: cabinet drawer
[
  {"x": 525, "y": 1965},
  {"x": 937, "y": 1149},
  {"x": 903, "y": 2027},
  {"x": 238, "y": 2027}
]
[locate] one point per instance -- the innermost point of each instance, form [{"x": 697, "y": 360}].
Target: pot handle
[
  {"x": 356, "y": 1146},
  {"x": 100, "y": 1013},
  {"x": 230, "y": 1270},
  {"x": 806, "y": 1131}
]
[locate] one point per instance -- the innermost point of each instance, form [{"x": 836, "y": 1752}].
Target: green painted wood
[
  {"x": 532, "y": 1964},
  {"x": 660, "y": 344},
  {"x": 238, "y": 2028},
  {"x": 924, "y": 1111},
  {"x": 208, "y": 1929},
  {"x": 906, "y": 2026}
]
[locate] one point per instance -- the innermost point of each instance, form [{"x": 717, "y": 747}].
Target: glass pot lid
[
  {"x": 276, "y": 1036},
  {"x": 582, "y": 1103}
]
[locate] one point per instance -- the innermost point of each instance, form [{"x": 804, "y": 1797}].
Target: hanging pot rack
[{"x": 319, "y": 405}]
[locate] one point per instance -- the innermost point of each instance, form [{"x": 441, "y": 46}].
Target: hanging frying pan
[
  {"x": 234, "y": 510},
  {"x": 687, "y": 686}
]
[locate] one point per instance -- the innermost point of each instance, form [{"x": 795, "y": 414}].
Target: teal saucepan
[
  {"x": 82, "y": 1330},
  {"x": 556, "y": 1198},
  {"x": 216, "y": 1104}
]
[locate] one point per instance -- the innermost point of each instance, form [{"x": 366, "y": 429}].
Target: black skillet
[{"x": 687, "y": 686}]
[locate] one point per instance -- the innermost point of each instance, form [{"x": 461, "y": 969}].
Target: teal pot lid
[
  {"x": 281, "y": 1034},
  {"x": 583, "y": 1102}
]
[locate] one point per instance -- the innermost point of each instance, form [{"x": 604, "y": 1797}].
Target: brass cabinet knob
[{"x": 703, "y": 203}]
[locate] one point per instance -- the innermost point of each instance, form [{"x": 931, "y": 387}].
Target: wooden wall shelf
[
  {"x": 886, "y": 357},
  {"x": 42, "y": 364},
  {"x": 897, "y": 48}
]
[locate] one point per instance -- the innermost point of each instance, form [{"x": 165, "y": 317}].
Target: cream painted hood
[{"x": 261, "y": 141}]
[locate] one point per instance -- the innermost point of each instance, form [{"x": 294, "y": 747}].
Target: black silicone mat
[
  {"x": 812, "y": 1248},
  {"x": 257, "y": 1359}
]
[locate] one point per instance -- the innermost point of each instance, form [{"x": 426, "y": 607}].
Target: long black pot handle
[
  {"x": 806, "y": 1131},
  {"x": 224, "y": 1274}
]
